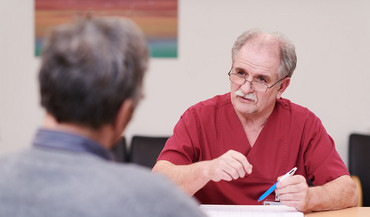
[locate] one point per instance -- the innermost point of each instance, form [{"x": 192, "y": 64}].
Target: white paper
[{"x": 250, "y": 211}]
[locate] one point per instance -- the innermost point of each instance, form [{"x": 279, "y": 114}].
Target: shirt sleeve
[
  {"x": 322, "y": 162},
  {"x": 182, "y": 147}
]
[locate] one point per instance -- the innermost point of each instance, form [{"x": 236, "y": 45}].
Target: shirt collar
[{"x": 46, "y": 138}]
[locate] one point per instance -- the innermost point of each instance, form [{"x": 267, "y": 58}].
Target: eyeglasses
[{"x": 255, "y": 85}]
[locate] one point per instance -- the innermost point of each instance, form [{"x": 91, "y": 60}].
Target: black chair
[
  {"x": 120, "y": 152},
  {"x": 144, "y": 150},
  {"x": 359, "y": 162}
]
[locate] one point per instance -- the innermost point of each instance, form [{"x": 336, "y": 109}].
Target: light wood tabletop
[{"x": 349, "y": 212}]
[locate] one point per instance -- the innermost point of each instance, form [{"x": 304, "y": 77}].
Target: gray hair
[
  {"x": 90, "y": 67},
  {"x": 288, "y": 57}
]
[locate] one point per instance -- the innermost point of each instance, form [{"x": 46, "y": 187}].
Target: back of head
[
  {"x": 287, "y": 54},
  {"x": 90, "y": 67}
]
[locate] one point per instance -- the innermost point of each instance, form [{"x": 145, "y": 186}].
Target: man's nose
[{"x": 247, "y": 87}]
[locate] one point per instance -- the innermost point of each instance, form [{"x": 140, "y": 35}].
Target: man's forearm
[
  {"x": 337, "y": 194},
  {"x": 190, "y": 178}
]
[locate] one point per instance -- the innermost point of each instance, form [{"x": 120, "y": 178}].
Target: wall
[{"x": 331, "y": 79}]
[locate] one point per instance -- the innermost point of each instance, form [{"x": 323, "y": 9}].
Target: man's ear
[
  {"x": 124, "y": 115},
  {"x": 283, "y": 86}
]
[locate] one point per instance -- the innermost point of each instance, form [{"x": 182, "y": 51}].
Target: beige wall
[{"x": 332, "y": 79}]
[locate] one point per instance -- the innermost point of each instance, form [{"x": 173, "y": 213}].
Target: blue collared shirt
[{"x": 46, "y": 138}]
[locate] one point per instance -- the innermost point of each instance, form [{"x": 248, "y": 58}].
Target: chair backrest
[
  {"x": 359, "y": 189},
  {"x": 144, "y": 150},
  {"x": 119, "y": 151},
  {"x": 359, "y": 162}
]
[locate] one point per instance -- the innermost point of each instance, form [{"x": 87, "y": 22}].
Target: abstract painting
[{"x": 157, "y": 18}]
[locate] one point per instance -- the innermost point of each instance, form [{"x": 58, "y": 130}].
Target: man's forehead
[
  {"x": 267, "y": 44},
  {"x": 263, "y": 59},
  {"x": 255, "y": 50}
]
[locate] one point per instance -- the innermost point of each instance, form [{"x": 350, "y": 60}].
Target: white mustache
[{"x": 250, "y": 96}]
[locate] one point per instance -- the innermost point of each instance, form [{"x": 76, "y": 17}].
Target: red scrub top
[{"x": 292, "y": 137}]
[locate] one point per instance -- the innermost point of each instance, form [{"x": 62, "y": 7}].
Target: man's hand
[
  {"x": 231, "y": 165},
  {"x": 336, "y": 194},
  {"x": 293, "y": 191}
]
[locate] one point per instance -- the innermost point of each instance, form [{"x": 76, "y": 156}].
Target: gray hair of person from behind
[
  {"x": 288, "y": 57},
  {"x": 90, "y": 67}
]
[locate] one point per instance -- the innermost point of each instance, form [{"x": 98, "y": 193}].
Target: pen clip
[{"x": 292, "y": 171}]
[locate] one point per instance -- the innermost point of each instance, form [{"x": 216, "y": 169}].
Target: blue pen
[{"x": 290, "y": 173}]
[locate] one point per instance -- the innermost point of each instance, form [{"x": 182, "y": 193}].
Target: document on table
[{"x": 248, "y": 210}]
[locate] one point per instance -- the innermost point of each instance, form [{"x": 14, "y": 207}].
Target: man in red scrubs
[{"x": 231, "y": 148}]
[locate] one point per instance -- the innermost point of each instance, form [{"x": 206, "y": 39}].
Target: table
[
  {"x": 349, "y": 212},
  {"x": 244, "y": 210}
]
